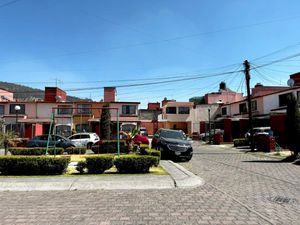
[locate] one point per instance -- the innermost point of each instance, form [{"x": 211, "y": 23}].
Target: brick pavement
[
  {"x": 255, "y": 181},
  {"x": 235, "y": 192}
]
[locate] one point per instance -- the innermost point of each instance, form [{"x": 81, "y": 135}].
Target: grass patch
[{"x": 72, "y": 172}]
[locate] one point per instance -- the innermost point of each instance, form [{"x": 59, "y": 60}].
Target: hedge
[
  {"x": 135, "y": 163},
  {"x": 33, "y": 165},
  {"x": 75, "y": 150},
  {"x": 240, "y": 142},
  {"x": 35, "y": 151},
  {"x": 99, "y": 163},
  {"x": 110, "y": 146}
]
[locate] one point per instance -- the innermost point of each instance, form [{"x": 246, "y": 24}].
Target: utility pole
[{"x": 247, "y": 76}]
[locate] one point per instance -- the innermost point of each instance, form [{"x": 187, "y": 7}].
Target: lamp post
[
  {"x": 209, "y": 132},
  {"x": 17, "y": 109}
]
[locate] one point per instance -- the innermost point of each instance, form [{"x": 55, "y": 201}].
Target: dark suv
[
  {"x": 173, "y": 144},
  {"x": 55, "y": 140}
]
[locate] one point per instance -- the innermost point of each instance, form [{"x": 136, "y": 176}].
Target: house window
[
  {"x": 64, "y": 110},
  {"x": 84, "y": 109},
  {"x": 224, "y": 111},
  {"x": 129, "y": 109},
  {"x": 171, "y": 110},
  {"x": 283, "y": 99},
  {"x": 13, "y": 111},
  {"x": 184, "y": 110},
  {"x": 243, "y": 108},
  {"x": 1, "y": 109},
  {"x": 82, "y": 128},
  {"x": 254, "y": 105}
]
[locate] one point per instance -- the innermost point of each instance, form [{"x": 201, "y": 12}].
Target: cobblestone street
[{"x": 239, "y": 189}]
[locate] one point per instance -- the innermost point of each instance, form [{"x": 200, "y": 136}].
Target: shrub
[
  {"x": 81, "y": 165},
  {"x": 75, "y": 150},
  {"x": 35, "y": 151},
  {"x": 240, "y": 142},
  {"x": 33, "y": 165},
  {"x": 99, "y": 163},
  {"x": 135, "y": 163},
  {"x": 108, "y": 146}
]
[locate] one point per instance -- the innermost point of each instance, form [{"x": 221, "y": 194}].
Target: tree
[
  {"x": 105, "y": 123},
  {"x": 292, "y": 125},
  {"x": 197, "y": 100}
]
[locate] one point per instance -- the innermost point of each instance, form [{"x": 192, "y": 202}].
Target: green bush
[
  {"x": 35, "y": 151},
  {"x": 99, "y": 163},
  {"x": 75, "y": 150},
  {"x": 81, "y": 165},
  {"x": 110, "y": 146},
  {"x": 135, "y": 163},
  {"x": 33, "y": 165},
  {"x": 240, "y": 142}
]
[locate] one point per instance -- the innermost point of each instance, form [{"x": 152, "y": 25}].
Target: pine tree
[
  {"x": 292, "y": 125},
  {"x": 105, "y": 123}
]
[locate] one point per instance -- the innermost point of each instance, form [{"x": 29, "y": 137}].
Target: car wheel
[{"x": 89, "y": 145}]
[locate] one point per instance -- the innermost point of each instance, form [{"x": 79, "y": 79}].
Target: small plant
[
  {"x": 110, "y": 146},
  {"x": 240, "y": 142},
  {"x": 75, "y": 150},
  {"x": 35, "y": 151},
  {"x": 135, "y": 163},
  {"x": 33, "y": 165},
  {"x": 81, "y": 165},
  {"x": 99, "y": 163}
]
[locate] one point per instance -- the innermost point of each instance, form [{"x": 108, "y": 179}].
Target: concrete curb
[
  {"x": 181, "y": 176},
  {"x": 178, "y": 177}
]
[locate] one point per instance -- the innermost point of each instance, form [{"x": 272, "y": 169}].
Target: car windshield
[{"x": 173, "y": 134}]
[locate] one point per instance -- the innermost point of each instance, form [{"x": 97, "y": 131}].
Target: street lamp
[
  {"x": 209, "y": 132},
  {"x": 17, "y": 109}
]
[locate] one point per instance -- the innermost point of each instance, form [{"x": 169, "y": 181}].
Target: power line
[{"x": 9, "y": 3}]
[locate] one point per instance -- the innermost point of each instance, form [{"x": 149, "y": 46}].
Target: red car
[{"x": 139, "y": 139}]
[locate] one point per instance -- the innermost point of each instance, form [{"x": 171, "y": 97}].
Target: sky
[{"x": 148, "y": 49}]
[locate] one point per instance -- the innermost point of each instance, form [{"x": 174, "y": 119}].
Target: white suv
[{"x": 84, "y": 139}]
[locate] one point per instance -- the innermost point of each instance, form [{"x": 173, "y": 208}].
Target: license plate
[{"x": 177, "y": 153}]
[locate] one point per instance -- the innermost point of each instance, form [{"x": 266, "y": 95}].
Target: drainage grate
[{"x": 283, "y": 200}]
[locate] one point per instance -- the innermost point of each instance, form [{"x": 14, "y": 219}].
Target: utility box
[{"x": 218, "y": 139}]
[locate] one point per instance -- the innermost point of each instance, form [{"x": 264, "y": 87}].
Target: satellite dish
[
  {"x": 291, "y": 82},
  {"x": 58, "y": 98}
]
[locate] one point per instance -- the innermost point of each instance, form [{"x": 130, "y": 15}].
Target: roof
[
  {"x": 34, "y": 120},
  {"x": 121, "y": 119},
  {"x": 260, "y": 96},
  {"x": 189, "y": 104}
]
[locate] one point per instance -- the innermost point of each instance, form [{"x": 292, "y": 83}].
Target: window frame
[
  {"x": 129, "y": 110},
  {"x": 12, "y": 110},
  {"x": 171, "y": 112},
  {"x": 180, "y": 108}
]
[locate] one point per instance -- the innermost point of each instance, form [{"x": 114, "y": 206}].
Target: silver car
[{"x": 84, "y": 139}]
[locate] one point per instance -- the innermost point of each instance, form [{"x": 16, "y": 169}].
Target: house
[
  {"x": 149, "y": 117},
  {"x": 268, "y": 105},
  {"x": 177, "y": 115},
  {"x": 34, "y": 118}
]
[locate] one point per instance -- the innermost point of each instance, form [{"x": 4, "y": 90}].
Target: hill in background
[{"x": 24, "y": 93}]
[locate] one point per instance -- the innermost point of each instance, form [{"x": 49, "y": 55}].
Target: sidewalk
[{"x": 178, "y": 177}]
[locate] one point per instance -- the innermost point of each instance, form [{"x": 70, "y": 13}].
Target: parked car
[
  {"x": 258, "y": 131},
  {"x": 55, "y": 140},
  {"x": 143, "y": 131},
  {"x": 140, "y": 139},
  {"x": 205, "y": 136},
  {"x": 173, "y": 144},
  {"x": 84, "y": 139}
]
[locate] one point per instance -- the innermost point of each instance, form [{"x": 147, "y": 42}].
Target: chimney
[
  {"x": 165, "y": 101},
  {"x": 110, "y": 94},
  {"x": 54, "y": 94},
  {"x": 296, "y": 78},
  {"x": 222, "y": 86}
]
